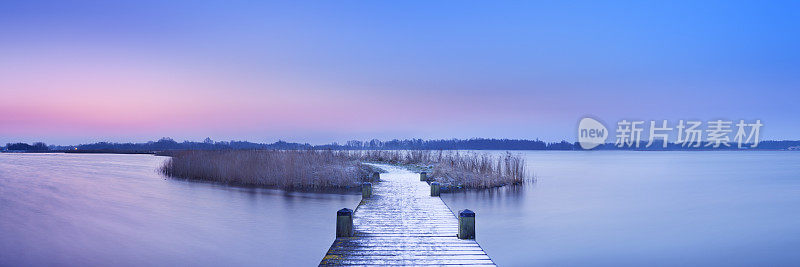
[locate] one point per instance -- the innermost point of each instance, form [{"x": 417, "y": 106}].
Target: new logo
[{"x": 591, "y": 133}]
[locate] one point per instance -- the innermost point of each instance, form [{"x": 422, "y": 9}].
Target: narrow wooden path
[{"x": 402, "y": 224}]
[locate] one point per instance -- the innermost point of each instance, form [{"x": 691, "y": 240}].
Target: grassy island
[
  {"x": 318, "y": 170},
  {"x": 455, "y": 169},
  {"x": 310, "y": 170}
]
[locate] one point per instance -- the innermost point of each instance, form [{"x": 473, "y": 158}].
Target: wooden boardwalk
[{"x": 402, "y": 224}]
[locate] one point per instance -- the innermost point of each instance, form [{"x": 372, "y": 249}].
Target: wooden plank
[
  {"x": 401, "y": 224},
  {"x": 406, "y": 248},
  {"x": 387, "y": 254},
  {"x": 410, "y": 262}
]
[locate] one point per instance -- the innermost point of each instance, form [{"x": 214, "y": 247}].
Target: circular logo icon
[{"x": 591, "y": 133}]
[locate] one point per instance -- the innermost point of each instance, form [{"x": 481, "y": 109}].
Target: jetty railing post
[
  {"x": 435, "y": 187},
  {"x": 423, "y": 176},
  {"x": 466, "y": 224},
  {"x": 344, "y": 223},
  {"x": 366, "y": 190}
]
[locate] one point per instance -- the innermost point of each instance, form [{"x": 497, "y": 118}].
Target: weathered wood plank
[
  {"x": 402, "y": 224},
  {"x": 415, "y": 248},
  {"x": 409, "y": 253},
  {"x": 411, "y": 262}
]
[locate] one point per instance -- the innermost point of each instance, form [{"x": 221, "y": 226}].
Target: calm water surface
[
  {"x": 78, "y": 210},
  {"x": 603, "y": 208},
  {"x": 586, "y": 208}
]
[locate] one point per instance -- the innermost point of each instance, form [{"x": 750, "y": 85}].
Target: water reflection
[
  {"x": 644, "y": 208},
  {"x": 593, "y": 208},
  {"x": 58, "y": 209},
  {"x": 507, "y": 195}
]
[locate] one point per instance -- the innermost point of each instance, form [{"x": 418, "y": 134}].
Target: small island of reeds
[{"x": 330, "y": 170}]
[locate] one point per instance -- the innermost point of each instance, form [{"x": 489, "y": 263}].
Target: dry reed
[
  {"x": 316, "y": 170},
  {"x": 455, "y": 169},
  {"x": 286, "y": 169}
]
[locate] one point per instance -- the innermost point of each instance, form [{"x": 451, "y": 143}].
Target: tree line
[
  {"x": 374, "y": 144},
  {"x": 38, "y": 146}
]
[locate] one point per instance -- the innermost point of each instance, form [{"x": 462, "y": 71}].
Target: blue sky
[{"x": 318, "y": 72}]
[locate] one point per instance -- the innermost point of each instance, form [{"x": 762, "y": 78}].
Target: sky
[{"x": 323, "y": 71}]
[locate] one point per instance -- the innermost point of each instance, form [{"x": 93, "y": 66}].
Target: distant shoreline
[
  {"x": 165, "y": 152},
  {"x": 167, "y": 144}
]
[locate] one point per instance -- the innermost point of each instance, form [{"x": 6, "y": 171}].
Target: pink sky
[
  {"x": 261, "y": 71},
  {"x": 100, "y": 95}
]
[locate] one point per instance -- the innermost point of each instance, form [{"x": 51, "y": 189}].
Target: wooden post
[
  {"x": 435, "y": 189},
  {"x": 366, "y": 190},
  {"x": 466, "y": 224},
  {"x": 344, "y": 223},
  {"x": 423, "y": 176},
  {"x": 376, "y": 176}
]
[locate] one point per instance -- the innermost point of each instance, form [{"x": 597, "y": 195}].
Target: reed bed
[
  {"x": 307, "y": 170},
  {"x": 455, "y": 169},
  {"x": 321, "y": 170}
]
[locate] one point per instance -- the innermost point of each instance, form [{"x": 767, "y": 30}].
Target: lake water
[
  {"x": 586, "y": 208},
  {"x": 89, "y": 210},
  {"x": 605, "y": 208}
]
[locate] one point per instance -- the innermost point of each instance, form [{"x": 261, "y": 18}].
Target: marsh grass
[
  {"x": 305, "y": 170},
  {"x": 455, "y": 169},
  {"x": 324, "y": 170}
]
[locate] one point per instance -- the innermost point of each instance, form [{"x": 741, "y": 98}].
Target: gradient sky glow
[{"x": 81, "y": 71}]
